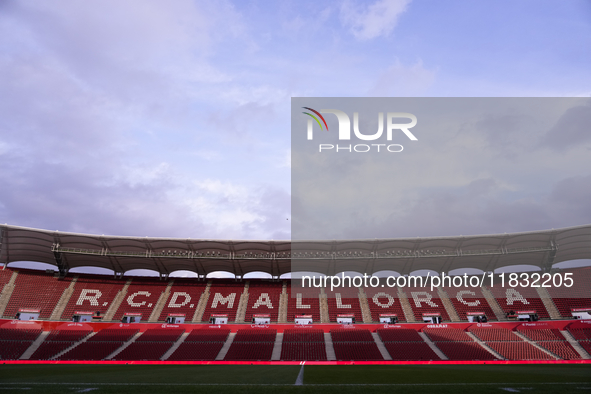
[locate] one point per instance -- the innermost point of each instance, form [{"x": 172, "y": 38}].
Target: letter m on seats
[{"x": 228, "y": 300}]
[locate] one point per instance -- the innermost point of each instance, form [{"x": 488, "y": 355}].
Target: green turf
[{"x": 106, "y": 379}]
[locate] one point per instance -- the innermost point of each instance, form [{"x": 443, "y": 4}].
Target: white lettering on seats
[
  {"x": 138, "y": 304},
  {"x": 426, "y": 299},
  {"x": 513, "y": 295},
  {"x": 376, "y": 300},
  {"x": 220, "y": 299},
  {"x": 299, "y": 304},
  {"x": 340, "y": 304},
  {"x": 460, "y": 298},
  {"x": 264, "y": 299},
  {"x": 92, "y": 298},
  {"x": 175, "y": 296}
]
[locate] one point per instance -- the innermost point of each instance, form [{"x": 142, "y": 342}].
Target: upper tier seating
[
  {"x": 343, "y": 302},
  {"x": 422, "y": 300},
  {"x": 142, "y": 296},
  {"x": 36, "y": 290},
  {"x": 578, "y": 296},
  {"x": 5, "y": 275},
  {"x": 263, "y": 298},
  {"x": 184, "y": 297},
  {"x": 224, "y": 297},
  {"x": 92, "y": 293},
  {"x": 518, "y": 298},
  {"x": 307, "y": 304},
  {"x": 469, "y": 299},
  {"x": 384, "y": 300}
]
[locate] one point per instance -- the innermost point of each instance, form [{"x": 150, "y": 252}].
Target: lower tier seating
[
  {"x": 406, "y": 351},
  {"x": 250, "y": 351},
  {"x": 149, "y": 351},
  {"x": 399, "y": 335},
  {"x": 49, "y": 349},
  {"x": 196, "y": 351},
  {"x": 346, "y": 351},
  {"x": 518, "y": 351},
  {"x": 91, "y": 351},
  {"x": 562, "y": 349},
  {"x": 464, "y": 351},
  {"x": 303, "y": 351},
  {"x": 13, "y": 350}
]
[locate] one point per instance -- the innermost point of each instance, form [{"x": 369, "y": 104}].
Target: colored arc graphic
[{"x": 315, "y": 118}]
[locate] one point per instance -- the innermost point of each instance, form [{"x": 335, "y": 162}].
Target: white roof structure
[{"x": 404, "y": 255}]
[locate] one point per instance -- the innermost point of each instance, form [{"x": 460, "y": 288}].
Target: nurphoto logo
[{"x": 344, "y": 132}]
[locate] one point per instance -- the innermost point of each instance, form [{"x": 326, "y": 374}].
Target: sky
[{"x": 172, "y": 119}]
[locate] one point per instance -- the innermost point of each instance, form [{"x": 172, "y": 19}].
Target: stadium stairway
[
  {"x": 202, "y": 304},
  {"x": 433, "y": 346},
  {"x": 548, "y": 303},
  {"x": 449, "y": 307},
  {"x": 575, "y": 344},
  {"x": 7, "y": 292},
  {"x": 34, "y": 346},
  {"x": 160, "y": 303},
  {"x": 276, "y": 356},
  {"x": 534, "y": 344},
  {"x": 484, "y": 345},
  {"x": 122, "y": 347},
  {"x": 283, "y": 303},
  {"x": 365, "y": 312},
  {"x": 492, "y": 302},
  {"x": 226, "y": 347},
  {"x": 381, "y": 347},
  {"x": 117, "y": 302},
  {"x": 66, "y": 350},
  {"x": 408, "y": 313},
  {"x": 175, "y": 346},
  {"x": 324, "y": 316},
  {"x": 330, "y": 354},
  {"x": 242, "y": 304},
  {"x": 63, "y": 301}
]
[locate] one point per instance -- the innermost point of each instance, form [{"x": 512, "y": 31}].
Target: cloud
[
  {"x": 571, "y": 130},
  {"x": 400, "y": 80},
  {"x": 377, "y": 19}
]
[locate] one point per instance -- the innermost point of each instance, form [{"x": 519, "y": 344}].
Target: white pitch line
[
  {"x": 300, "y": 379},
  {"x": 290, "y": 384}
]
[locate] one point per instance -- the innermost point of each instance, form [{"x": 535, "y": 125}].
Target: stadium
[
  {"x": 57, "y": 317},
  {"x": 295, "y": 196}
]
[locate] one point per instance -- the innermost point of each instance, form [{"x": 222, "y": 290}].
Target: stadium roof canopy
[{"x": 404, "y": 255}]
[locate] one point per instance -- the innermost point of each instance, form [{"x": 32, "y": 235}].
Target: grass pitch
[{"x": 281, "y": 379}]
